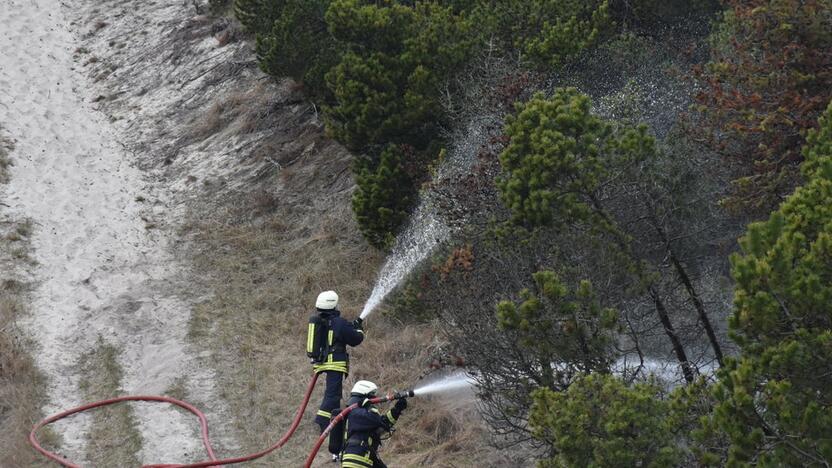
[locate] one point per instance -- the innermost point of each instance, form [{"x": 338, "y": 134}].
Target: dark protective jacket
[
  {"x": 362, "y": 434},
  {"x": 341, "y": 334}
]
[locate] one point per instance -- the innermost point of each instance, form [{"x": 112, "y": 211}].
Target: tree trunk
[
  {"x": 687, "y": 370},
  {"x": 678, "y": 349},
  {"x": 700, "y": 308},
  {"x": 697, "y": 302}
]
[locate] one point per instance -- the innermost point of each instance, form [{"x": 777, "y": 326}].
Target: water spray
[
  {"x": 426, "y": 229},
  {"x": 450, "y": 383},
  {"x": 414, "y": 245}
]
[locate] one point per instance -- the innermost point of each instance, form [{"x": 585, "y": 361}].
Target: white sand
[{"x": 100, "y": 272}]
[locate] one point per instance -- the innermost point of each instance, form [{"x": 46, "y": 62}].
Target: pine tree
[
  {"x": 775, "y": 400},
  {"x": 386, "y": 87},
  {"x": 599, "y": 421},
  {"x": 547, "y": 33},
  {"x": 558, "y": 159},
  {"x": 258, "y": 16},
  {"x": 565, "y": 332},
  {"x": 385, "y": 194},
  {"x": 299, "y": 46}
]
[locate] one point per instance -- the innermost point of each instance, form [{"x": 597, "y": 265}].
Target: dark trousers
[
  {"x": 332, "y": 398},
  {"x": 377, "y": 463}
]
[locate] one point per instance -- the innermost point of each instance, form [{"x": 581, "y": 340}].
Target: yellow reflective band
[
  {"x": 331, "y": 337},
  {"x": 338, "y": 366},
  {"x": 350, "y": 464},
  {"x": 325, "y": 414},
  {"x": 351, "y": 457},
  {"x": 310, "y": 337},
  {"x": 390, "y": 417}
]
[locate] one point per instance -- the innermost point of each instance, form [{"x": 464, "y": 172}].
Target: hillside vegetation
[
  {"x": 600, "y": 281},
  {"x": 21, "y": 383}
]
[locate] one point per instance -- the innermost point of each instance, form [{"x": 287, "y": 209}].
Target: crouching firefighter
[
  {"x": 326, "y": 345},
  {"x": 365, "y": 427}
]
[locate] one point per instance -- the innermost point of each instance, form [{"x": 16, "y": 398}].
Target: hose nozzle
[
  {"x": 393, "y": 396},
  {"x": 404, "y": 394}
]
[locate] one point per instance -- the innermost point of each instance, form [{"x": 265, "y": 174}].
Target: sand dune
[{"x": 101, "y": 272}]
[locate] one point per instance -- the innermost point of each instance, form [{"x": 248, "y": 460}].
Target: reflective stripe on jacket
[
  {"x": 362, "y": 436},
  {"x": 341, "y": 334}
]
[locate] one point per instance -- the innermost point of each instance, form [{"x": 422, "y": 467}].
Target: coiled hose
[{"x": 203, "y": 422}]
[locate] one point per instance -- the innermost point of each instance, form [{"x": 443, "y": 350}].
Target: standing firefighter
[
  {"x": 326, "y": 345},
  {"x": 365, "y": 426}
]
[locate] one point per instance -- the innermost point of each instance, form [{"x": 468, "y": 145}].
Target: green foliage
[
  {"x": 556, "y": 325},
  {"x": 367, "y": 112},
  {"x": 385, "y": 194},
  {"x": 577, "y": 27},
  {"x": 547, "y": 32},
  {"x": 387, "y": 85},
  {"x": 297, "y": 45},
  {"x": 386, "y": 91},
  {"x": 558, "y": 155},
  {"x": 689, "y": 409},
  {"x": 774, "y": 400},
  {"x": 258, "y": 16},
  {"x": 219, "y": 7},
  {"x": 768, "y": 80},
  {"x": 553, "y": 156},
  {"x": 599, "y": 421},
  {"x": 818, "y": 146}
]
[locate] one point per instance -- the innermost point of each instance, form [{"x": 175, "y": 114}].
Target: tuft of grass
[
  {"x": 21, "y": 383},
  {"x": 241, "y": 112},
  {"x": 21, "y": 387},
  {"x": 178, "y": 389},
  {"x": 6, "y": 147},
  {"x": 114, "y": 438},
  {"x": 20, "y": 232}
]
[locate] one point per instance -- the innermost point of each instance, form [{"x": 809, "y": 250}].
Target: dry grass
[
  {"x": 6, "y": 147},
  {"x": 241, "y": 112},
  {"x": 264, "y": 280},
  {"x": 266, "y": 256},
  {"x": 114, "y": 439},
  {"x": 264, "y": 275},
  {"x": 21, "y": 383}
]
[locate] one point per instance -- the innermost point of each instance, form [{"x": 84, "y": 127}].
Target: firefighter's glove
[
  {"x": 358, "y": 324},
  {"x": 401, "y": 405}
]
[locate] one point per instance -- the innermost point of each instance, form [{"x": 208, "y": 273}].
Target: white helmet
[
  {"x": 327, "y": 300},
  {"x": 364, "y": 388}
]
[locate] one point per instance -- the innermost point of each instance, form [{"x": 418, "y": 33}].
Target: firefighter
[
  {"x": 335, "y": 361},
  {"x": 365, "y": 427}
]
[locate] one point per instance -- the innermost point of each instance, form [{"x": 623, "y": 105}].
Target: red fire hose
[{"x": 203, "y": 421}]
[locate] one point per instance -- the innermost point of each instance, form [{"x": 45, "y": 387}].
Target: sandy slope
[{"x": 101, "y": 271}]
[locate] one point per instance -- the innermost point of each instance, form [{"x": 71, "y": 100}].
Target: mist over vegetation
[{"x": 640, "y": 269}]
